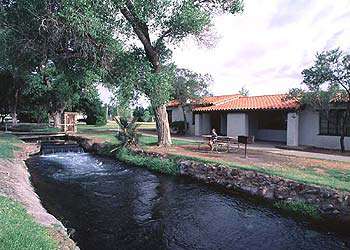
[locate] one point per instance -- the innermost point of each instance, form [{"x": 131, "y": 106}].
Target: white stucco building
[{"x": 268, "y": 118}]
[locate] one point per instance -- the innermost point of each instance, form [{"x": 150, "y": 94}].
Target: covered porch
[{"x": 280, "y": 126}]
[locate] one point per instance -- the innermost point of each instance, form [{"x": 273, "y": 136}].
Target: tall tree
[
  {"x": 157, "y": 25},
  {"x": 6, "y": 86},
  {"x": 327, "y": 85},
  {"x": 189, "y": 85},
  {"x": 69, "y": 34}
]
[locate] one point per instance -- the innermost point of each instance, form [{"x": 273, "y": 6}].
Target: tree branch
[{"x": 141, "y": 31}]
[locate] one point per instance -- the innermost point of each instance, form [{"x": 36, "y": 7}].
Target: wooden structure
[
  {"x": 70, "y": 122},
  {"x": 225, "y": 142}
]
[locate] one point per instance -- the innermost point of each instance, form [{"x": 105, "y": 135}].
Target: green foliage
[
  {"x": 142, "y": 114},
  {"x": 326, "y": 81},
  {"x": 128, "y": 134},
  {"x": 178, "y": 127},
  {"x": 138, "y": 113},
  {"x": 19, "y": 230},
  {"x": 299, "y": 208},
  {"x": 8, "y": 146},
  {"x": 189, "y": 85},
  {"x": 157, "y": 164},
  {"x": 6, "y": 93},
  {"x": 54, "y": 45},
  {"x": 148, "y": 114},
  {"x": 135, "y": 76},
  {"x": 90, "y": 104}
]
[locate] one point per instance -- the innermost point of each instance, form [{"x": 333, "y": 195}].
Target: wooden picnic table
[{"x": 221, "y": 141}]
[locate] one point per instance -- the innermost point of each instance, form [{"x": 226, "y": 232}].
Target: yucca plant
[{"x": 128, "y": 134}]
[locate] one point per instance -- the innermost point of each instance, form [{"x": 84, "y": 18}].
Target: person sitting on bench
[{"x": 213, "y": 139}]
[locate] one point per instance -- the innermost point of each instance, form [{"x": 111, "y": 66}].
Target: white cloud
[{"x": 268, "y": 46}]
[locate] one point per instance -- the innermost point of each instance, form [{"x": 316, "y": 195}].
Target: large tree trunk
[
  {"x": 141, "y": 30},
  {"x": 185, "y": 118},
  {"x": 14, "y": 108},
  {"x": 57, "y": 118},
  {"x": 162, "y": 123}
]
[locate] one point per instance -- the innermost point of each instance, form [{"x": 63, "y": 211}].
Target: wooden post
[{"x": 243, "y": 139}]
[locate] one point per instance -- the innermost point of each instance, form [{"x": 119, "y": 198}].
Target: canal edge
[{"x": 20, "y": 189}]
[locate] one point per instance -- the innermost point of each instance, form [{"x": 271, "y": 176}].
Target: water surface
[{"x": 114, "y": 206}]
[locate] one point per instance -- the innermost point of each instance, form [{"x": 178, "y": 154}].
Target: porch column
[
  {"x": 237, "y": 124},
  {"x": 206, "y": 123},
  {"x": 293, "y": 129},
  {"x": 198, "y": 124}
]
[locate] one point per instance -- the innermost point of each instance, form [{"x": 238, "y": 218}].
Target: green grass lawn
[
  {"x": 34, "y": 127},
  {"x": 18, "y": 230},
  {"x": 112, "y": 126},
  {"x": 8, "y": 145},
  {"x": 108, "y": 132}
]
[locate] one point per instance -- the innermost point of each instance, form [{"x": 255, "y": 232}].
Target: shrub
[
  {"x": 128, "y": 134},
  {"x": 166, "y": 166},
  {"x": 298, "y": 208}
]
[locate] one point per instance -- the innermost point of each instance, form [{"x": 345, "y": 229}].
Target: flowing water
[{"x": 114, "y": 206}]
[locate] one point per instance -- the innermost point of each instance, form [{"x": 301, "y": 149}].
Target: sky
[{"x": 266, "y": 47}]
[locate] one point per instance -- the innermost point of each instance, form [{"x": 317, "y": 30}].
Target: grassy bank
[
  {"x": 18, "y": 230},
  {"x": 8, "y": 145},
  {"x": 298, "y": 209},
  {"x": 165, "y": 166},
  {"x": 330, "y": 178}
]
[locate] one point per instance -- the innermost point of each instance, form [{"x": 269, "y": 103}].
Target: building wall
[
  {"x": 237, "y": 124},
  {"x": 206, "y": 124},
  {"x": 309, "y": 132},
  {"x": 176, "y": 114}
]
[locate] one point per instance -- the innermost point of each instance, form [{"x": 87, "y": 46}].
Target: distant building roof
[{"x": 246, "y": 103}]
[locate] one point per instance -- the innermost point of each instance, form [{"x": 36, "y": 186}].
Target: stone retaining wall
[{"x": 330, "y": 203}]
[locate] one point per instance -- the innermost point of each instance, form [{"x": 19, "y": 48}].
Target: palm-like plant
[{"x": 128, "y": 134}]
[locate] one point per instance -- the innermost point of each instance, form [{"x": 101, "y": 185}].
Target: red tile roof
[
  {"x": 214, "y": 100},
  {"x": 243, "y": 103},
  {"x": 207, "y": 100},
  {"x": 173, "y": 103}
]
